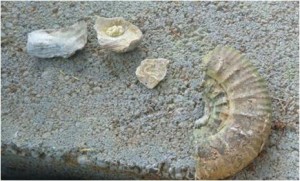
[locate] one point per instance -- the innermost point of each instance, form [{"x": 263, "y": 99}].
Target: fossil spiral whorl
[{"x": 237, "y": 117}]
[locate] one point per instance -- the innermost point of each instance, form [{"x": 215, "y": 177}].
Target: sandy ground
[{"x": 64, "y": 116}]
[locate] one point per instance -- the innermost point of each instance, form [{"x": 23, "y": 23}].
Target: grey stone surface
[{"x": 88, "y": 116}]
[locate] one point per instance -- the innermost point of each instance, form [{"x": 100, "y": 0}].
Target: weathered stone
[
  {"x": 117, "y": 34},
  {"x": 152, "y": 71},
  {"x": 57, "y": 43}
]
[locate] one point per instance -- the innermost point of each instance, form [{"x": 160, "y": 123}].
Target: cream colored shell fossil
[
  {"x": 117, "y": 34},
  {"x": 152, "y": 71},
  {"x": 63, "y": 42},
  {"x": 237, "y": 119}
]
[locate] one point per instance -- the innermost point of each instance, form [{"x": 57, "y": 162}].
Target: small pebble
[
  {"x": 26, "y": 73},
  {"x": 46, "y": 135},
  {"x": 82, "y": 159},
  {"x": 97, "y": 89},
  {"x": 8, "y": 25},
  {"x": 3, "y": 35},
  {"x": 152, "y": 71},
  {"x": 154, "y": 54}
]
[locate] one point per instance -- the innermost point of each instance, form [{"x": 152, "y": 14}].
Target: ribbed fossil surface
[{"x": 237, "y": 116}]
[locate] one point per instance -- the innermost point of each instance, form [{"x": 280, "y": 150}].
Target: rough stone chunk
[
  {"x": 63, "y": 42},
  {"x": 152, "y": 71},
  {"x": 117, "y": 34}
]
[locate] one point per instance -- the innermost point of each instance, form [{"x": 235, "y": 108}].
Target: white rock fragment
[
  {"x": 63, "y": 42},
  {"x": 152, "y": 71},
  {"x": 117, "y": 34}
]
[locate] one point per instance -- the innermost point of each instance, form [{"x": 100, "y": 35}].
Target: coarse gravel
[{"x": 89, "y": 117}]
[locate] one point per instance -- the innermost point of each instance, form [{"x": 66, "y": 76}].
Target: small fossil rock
[
  {"x": 63, "y": 42},
  {"x": 152, "y": 71},
  {"x": 117, "y": 34}
]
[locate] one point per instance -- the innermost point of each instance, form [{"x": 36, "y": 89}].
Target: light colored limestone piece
[
  {"x": 63, "y": 42},
  {"x": 117, "y": 34},
  {"x": 152, "y": 71}
]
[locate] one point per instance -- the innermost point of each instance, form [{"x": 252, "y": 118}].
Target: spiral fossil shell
[
  {"x": 237, "y": 119},
  {"x": 117, "y": 34},
  {"x": 63, "y": 42}
]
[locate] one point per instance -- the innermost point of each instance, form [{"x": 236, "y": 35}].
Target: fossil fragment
[
  {"x": 237, "y": 119},
  {"x": 63, "y": 42},
  {"x": 116, "y": 34},
  {"x": 152, "y": 71}
]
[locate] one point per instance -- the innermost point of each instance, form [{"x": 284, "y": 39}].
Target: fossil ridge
[{"x": 237, "y": 120}]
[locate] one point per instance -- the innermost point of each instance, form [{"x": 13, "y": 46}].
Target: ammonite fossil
[{"x": 237, "y": 120}]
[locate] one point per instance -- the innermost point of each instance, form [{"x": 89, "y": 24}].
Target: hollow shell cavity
[{"x": 117, "y": 34}]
